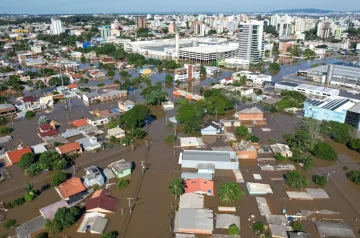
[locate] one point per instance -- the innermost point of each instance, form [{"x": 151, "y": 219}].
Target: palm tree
[
  {"x": 177, "y": 187},
  {"x": 29, "y": 187},
  {"x": 230, "y": 192}
]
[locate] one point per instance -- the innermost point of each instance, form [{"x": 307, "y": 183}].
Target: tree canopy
[
  {"x": 230, "y": 192},
  {"x": 135, "y": 117},
  {"x": 354, "y": 176},
  {"x": 319, "y": 179},
  {"x": 324, "y": 151},
  {"x": 26, "y": 160},
  {"x": 154, "y": 96},
  {"x": 295, "y": 180},
  {"x": 241, "y": 131},
  {"x": 177, "y": 187}
]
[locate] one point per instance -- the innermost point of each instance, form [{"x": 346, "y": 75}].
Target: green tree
[
  {"x": 9, "y": 224},
  {"x": 297, "y": 226},
  {"x": 230, "y": 192},
  {"x": 243, "y": 80},
  {"x": 2, "y": 120},
  {"x": 53, "y": 227},
  {"x": 67, "y": 217},
  {"x": 295, "y": 180},
  {"x": 234, "y": 230},
  {"x": 319, "y": 179},
  {"x": 26, "y": 160},
  {"x": 122, "y": 183},
  {"x": 4, "y": 130},
  {"x": 29, "y": 114},
  {"x": 177, "y": 187},
  {"x": 274, "y": 67},
  {"x": 111, "y": 73},
  {"x": 58, "y": 178},
  {"x": 202, "y": 70},
  {"x": 111, "y": 234},
  {"x": 259, "y": 226},
  {"x": 324, "y": 151},
  {"x": 135, "y": 117},
  {"x": 242, "y": 131},
  {"x": 354, "y": 144},
  {"x": 52, "y": 160},
  {"x": 169, "y": 79},
  {"x": 42, "y": 235},
  {"x": 305, "y": 159},
  {"x": 170, "y": 138},
  {"x": 354, "y": 176}
]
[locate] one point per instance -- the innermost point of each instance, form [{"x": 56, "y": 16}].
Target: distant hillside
[{"x": 304, "y": 10}]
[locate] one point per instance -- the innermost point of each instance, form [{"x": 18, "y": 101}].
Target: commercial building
[
  {"x": 324, "y": 29},
  {"x": 353, "y": 116},
  {"x": 198, "y": 28},
  {"x": 56, "y": 26},
  {"x": 191, "y": 220},
  {"x": 188, "y": 73},
  {"x": 171, "y": 28},
  {"x": 7, "y": 110},
  {"x": 140, "y": 22},
  {"x": 250, "y": 114},
  {"x": 307, "y": 89},
  {"x": 256, "y": 78},
  {"x": 208, "y": 53},
  {"x": 251, "y": 41},
  {"x": 104, "y": 32}
]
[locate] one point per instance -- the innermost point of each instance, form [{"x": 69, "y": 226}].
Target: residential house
[
  {"x": 30, "y": 228},
  {"x": 7, "y": 110},
  {"x": 199, "y": 186},
  {"x": 169, "y": 105},
  {"x": 224, "y": 221},
  {"x": 245, "y": 150},
  {"x": 191, "y": 200},
  {"x": 98, "y": 121},
  {"x": 70, "y": 188},
  {"x": 92, "y": 177},
  {"x": 38, "y": 149},
  {"x": 107, "y": 60},
  {"x": 192, "y": 220},
  {"x": 75, "y": 78},
  {"x": 101, "y": 201},
  {"x": 45, "y": 127},
  {"x": 250, "y": 114},
  {"x": 117, "y": 132},
  {"x": 114, "y": 95},
  {"x": 126, "y": 105},
  {"x": 48, "y": 212},
  {"x": 13, "y": 157},
  {"x": 80, "y": 122},
  {"x": 97, "y": 74},
  {"x": 89, "y": 143},
  {"x": 73, "y": 147},
  {"x": 92, "y": 97},
  {"x": 212, "y": 128},
  {"x": 281, "y": 149},
  {"x": 121, "y": 168},
  {"x": 51, "y": 132},
  {"x": 94, "y": 223}
]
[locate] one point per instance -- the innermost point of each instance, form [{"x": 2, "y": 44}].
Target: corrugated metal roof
[
  {"x": 190, "y": 218},
  {"x": 331, "y": 229},
  {"x": 223, "y": 221}
]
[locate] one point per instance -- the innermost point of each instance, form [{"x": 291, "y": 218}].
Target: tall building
[
  {"x": 283, "y": 28},
  {"x": 171, "y": 28},
  {"x": 199, "y": 28},
  {"x": 324, "y": 30},
  {"x": 56, "y": 26},
  {"x": 140, "y": 23},
  {"x": 104, "y": 32},
  {"x": 251, "y": 41}
]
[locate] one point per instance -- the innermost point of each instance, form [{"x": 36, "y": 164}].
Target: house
[
  {"x": 39, "y": 148},
  {"x": 258, "y": 188},
  {"x": 250, "y": 114},
  {"x": 93, "y": 177},
  {"x": 116, "y": 132},
  {"x": 69, "y": 148},
  {"x": 94, "y": 223},
  {"x": 102, "y": 202},
  {"x": 199, "y": 186},
  {"x": 72, "y": 86},
  {"x": 226, "y": 81},
  {"x": 7, "y": 110},
  {"x": 79, "y": 122},
  {"x": 107, "y": 60},
  {"x": 245, "y": 150},
  {"x": 221, "y": 159},
  {"x": 114, "y": 95},
  {"x": 48, "y": 212},
  {"x": 13, "y": 157},
  {"x": 212, "y": 128},
  {"x": 51, "y": 132},
  {"x": 169, "y": 105},
  {"x": 191, "y": 200},
  {"x": 192, "y": 220},
  {"x": 92, "y": 97},
  {"x": 126, "y": 105},
  {"x": 30, "y": 228},
  {"x": 121, "y": 168},
  {"x": 89, "y": 143},
  {"x": 45, "y": 127},
  {"x": 70, "y": 188},
  {"x": 98, "y": 121},
  {"x": 97, "y": 74},
  {"x": 223, "y": 221},
  {"x": 74, "y": 78},
  {"x": 282, "y": 149}
]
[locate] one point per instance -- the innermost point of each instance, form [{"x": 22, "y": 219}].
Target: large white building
[
  {"x": 104, "y": 32},
  {"x": 56, "y": 27},
  {"x": 251, "y": 41}
]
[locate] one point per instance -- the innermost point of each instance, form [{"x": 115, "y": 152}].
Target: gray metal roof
[
  {"x": 276, "y": 219},
  {"x": 49, "y": 211},
  {"x": 206, "y": 166},
  {"x": 225, "y": 220},
  {"x": 97, "y": 224},
  {"x": 332, "y": 229},
  {"x": 92, "y": 95},
  {"x": 120, "y": 165},
  {"x": 71, "y": 132},
  {"x": 279, "y": 230},
  {"x": 294, "y": 234},
  {"x": 6, "y": 105},
  {"x": 317, "y": 193},
  {"x": 206, "y": 155},
  {"x": 190, "y": 218},
  {"x": 251, "y": 110},
  {"x": 5, "y": 139},
  {"x": 191, "y": 200},
  {"x": 30, "y": 227},
  {"x": 355, "y": 108},
  {"x": 191, "y": 175}
]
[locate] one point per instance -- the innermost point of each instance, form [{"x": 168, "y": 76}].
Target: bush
[
  {"x": 259, "y": 226},
  {"x": 29, "y": 196},
  {"x": 9, "y": 223},
  {"x": 355, "y": 144},
  {"x": 278, "y": 156},
  {"x": 241, "y": 131},
  {"x": 324, "y": 151},
  {"x": 58, "y": 178},
  {"x": 5, "y": 130},
  {"x": 297, "y": 226},
  {"x": 295, "y": 180},
  {"x": 67, "y": 217},
  {"x": 274, "y": 67},
  {"x": 305, "y": 159},
  {"x": 354, "y": 176},
  {"x": 122, "y": 183},
  {"x": 29, "y": 114},
  {"x": 17, "y": 202},
  {"x": 253, "y": 138},
  {"x": 319, "y": 179},
  {"x": 170, "y": 138},
  {"x": 111, "y": 234},
  {"x": 27, "y": 160},
  {"x": 42, "y": 235},
  {"x": 234, "y": 230}
]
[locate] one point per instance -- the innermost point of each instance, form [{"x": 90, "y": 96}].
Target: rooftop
[
  {"x": 331, "y": 229},
  {"x": 251, "y": 110},
  {"x": 48, "y": 212},
  {"x": 71, "y": 187},
  {"x": 338, "y": 104},
  {"x": 223, "y": 221},
  {"x": 191, "y": 200},
  {"x": 199, "y": 185},
  {"x": 102, "y": 201},
  {"x": 69, "y": 147},
  {"x": 29, "y": 228},
  {"x": 120, "y": 165},
  {"x": 15, "y": 155},
  {"x": 205, "y": 155},
  {"x": 322, "y": 89},
  {"x": 190, "y": 218},
  {"x": 93, "y": 223},
  {"x": 208, "y": 49}
]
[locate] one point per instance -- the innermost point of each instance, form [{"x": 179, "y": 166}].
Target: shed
[
  {"x": 258, "y": 188},
  {"x": 223, "y": 221}
]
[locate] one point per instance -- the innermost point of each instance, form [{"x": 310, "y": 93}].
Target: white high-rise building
[
  {"x": 251, "y": 41},
  {"x": 56, "y": 26},
  {"x": 199, "y": 28}
]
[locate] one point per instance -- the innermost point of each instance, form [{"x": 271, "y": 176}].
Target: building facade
[
  {"x": 104, "y": 32},
  {"x": 56, "y": 26},
  {"x": 140, "y": 22}
]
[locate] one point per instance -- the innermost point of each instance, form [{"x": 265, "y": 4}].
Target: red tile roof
[
  {"x": 199, "y": 185},
  {"x": 51, "y": 132},
  {"x": 15, "y": 155},
  {"x": 80, "y": 122},
  {"x": 45, "y": 127},
  {"x": 70, "y": 187},
  {"x": 71, "y": 86},
  {"x": 69, "y": 147},
  {"x": 28, "y": 99},
  {"x": 104, "y": 202}
]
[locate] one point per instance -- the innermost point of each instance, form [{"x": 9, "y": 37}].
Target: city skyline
[{"x": 91, "y": 6}]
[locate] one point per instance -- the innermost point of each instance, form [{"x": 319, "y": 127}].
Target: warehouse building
[{"x": 307, "y": 89}]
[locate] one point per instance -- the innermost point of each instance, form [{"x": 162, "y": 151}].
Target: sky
[{"x": 149, "y": 6}]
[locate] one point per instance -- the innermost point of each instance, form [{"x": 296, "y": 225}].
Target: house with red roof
[
  {"x": 199, "y": 186},
  {"x": 101, "y": 201},
  {"x": 72, "y": 86},
  {"x": 70, "y": 188},
  {"x": 51, "y": 132},
  {"x": 13, "y": 157},
  {"x": 73, "y": 147},
  {"x": 79, "y": 122},
  {"x": 45, "y": 127}
]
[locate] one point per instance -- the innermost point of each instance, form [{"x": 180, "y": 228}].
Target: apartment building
[
  {"x": 56, "y": 26},
  {"x": 188, "y": 73}
]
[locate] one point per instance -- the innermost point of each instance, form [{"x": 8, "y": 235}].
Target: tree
[
  {"x": 271, "y": 30},
  {"x": 230, "y": 192},
  {"x": 5, "y": 130},
  {"x": 177, "y": 187},
  {"x": 122, "y": 183},
  {"x": 355, "y": 144},
  {"x": 27, "y": 160},
  {"x": 297, "y": 226},
  {"x": 170, "y": 138},
  {"x": 324, "y": 151},
  {"x": 53, "y": 227},
  {"x": 305, "y": 159},
  {"x": 9, "y": 224},
  {"x": 43, "y": 120},
  {"x": 135, "y": 117},
  {"x": 111, "y": 73},
  {"x": 259, "y": 226},
  {"x": 243, "y": 80},
  {"x": 156, "y": 97},
  {"x": 241, "y": 131},
  {"x": 295, "y": 180},
  {"x": 169, "y": 79},
  {"x": 354, "y": 176},
  {"x": 274, "y": 67},
  {"x": 319, "y": 179},
  {"x": 29, "y": 114},
  {"x": 233, "y": 230},
  {"x": 212, "y": 32},
  {"x": 203, "y": 70},
  {"x": 2, "y": 120},
  {"x": 111, "y": 234},
  {"x": 39, "y": 85},
  {"x": 67, "y": 217},
  {"x": 58, "y": 178},
  {"x": 42, "y": 235},
  {"x": 52, "y": 160},
  {"x": 278, "y": 156}
]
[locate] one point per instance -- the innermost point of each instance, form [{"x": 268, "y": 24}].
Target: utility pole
[
  {"x": 146, "y": 142},
  {"x": 146, "y": 125},
  {"x": 132, "y": 145},
  {"x": 143, "y": 166},
  {"x": 175, "y": 129},
  {"x": 130, "y": 204},
  {"x": 328, "y": 175}
]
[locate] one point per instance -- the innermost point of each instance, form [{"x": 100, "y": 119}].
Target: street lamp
[{"x": 328, "y": 174}]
